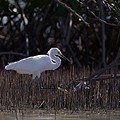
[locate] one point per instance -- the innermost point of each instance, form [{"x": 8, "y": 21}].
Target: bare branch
[
  {"x": 100, "y": 20},
  {"x": 103, "y": 34},
  {"x": 13, "y": 53},
  {"x": 73, "y": 11}
]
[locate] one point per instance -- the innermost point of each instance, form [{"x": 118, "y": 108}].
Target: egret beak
[{"x": 61, "y": 55}]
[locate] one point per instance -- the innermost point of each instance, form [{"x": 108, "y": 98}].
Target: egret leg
[
  {"x": 35, "y": 78},
  {"x": 31, "y": 82},
  {"x": 39, "y": 82},
  {"x": 36, "y": 75}
]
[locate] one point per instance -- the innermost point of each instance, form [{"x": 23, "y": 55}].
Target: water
[{"x": 60, "y": 116}]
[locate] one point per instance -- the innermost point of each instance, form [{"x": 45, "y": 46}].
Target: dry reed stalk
[{"x": 43, "y": 94}]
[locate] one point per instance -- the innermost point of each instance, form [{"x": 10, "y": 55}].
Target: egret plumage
[{"x": 35, "y": 65}]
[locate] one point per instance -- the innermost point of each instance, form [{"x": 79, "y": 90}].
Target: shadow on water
[{"x": 61, "y": 116}]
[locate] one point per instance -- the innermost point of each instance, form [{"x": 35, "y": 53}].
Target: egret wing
[{"x": 30, "y": 64}]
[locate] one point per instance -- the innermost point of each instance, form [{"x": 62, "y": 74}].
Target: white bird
[{"x": 35, "y": 65}]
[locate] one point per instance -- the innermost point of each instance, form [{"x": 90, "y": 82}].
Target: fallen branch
[{"x": 103, "y": 77}]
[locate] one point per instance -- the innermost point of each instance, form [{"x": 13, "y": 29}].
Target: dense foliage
[{"x": 87, "y": 31}]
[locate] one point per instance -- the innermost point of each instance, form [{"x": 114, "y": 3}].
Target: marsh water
[{"x": 114, "y": 115}]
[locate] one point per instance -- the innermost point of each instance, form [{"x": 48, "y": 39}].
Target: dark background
[{"x": 87, "y": 32}]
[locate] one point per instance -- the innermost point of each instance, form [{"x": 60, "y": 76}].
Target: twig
[
  {"x": 13, "y": 53},
  {"x": 114, "y": 25},
  {"x": 25, "y": 28},
  {"x": 67, "y": 34},
  {"x": 118, "y": 54},
  {"x": 103, "y": 34},
  {"x": 73, "y": 11},
  {"x": 41, "y": 24},
  {"x": 73, "y": 54}
]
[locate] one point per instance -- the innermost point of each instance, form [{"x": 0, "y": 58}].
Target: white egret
[{"x": 35, "y": 65}]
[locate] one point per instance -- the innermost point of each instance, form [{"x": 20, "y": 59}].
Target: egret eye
[{"x": 58, "y": 52}]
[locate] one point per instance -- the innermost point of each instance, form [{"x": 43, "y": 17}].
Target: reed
[{"x": 16, "y": 92}]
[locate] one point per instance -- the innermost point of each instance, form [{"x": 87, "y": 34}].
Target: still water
[{"x": 61, "y": 116}]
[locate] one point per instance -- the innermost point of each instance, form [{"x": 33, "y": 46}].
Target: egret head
[
  {"x": 54, "y": 51},
  {"x": 57, "y": 52}
]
